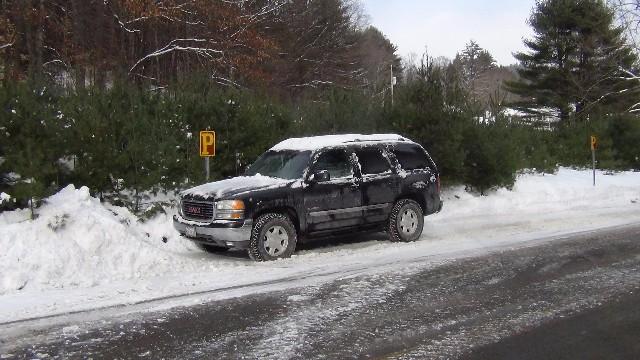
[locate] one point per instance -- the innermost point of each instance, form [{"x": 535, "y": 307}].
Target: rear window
[
  {"x": 411, "y": 157},
  {"x": 372, "y": 161}
]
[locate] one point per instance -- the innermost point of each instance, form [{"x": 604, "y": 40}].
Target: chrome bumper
[{"x": 221, "y": 233}]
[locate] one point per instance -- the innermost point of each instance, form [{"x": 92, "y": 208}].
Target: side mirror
[{"x": 320, "y": 176}]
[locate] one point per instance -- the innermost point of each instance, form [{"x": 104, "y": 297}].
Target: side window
[
  {"x": 372, "y": 161},
  {"x": 411, "y": 157},
  {"x": 336, "y": 163}
]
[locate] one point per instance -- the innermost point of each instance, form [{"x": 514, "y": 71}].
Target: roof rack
[{"x": 400, "y": 138}]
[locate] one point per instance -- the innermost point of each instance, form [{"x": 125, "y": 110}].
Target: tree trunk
[
  {"x": 80, "y": 76},
  {"x": 79, "y": 69},
  {"x": 39, "y": 43},
  {"x": 564, "y": 115}
]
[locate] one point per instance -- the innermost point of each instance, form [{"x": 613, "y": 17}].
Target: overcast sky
[{"x": 445, "y": 26}]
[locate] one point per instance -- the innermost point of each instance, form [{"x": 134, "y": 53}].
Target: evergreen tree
[
  {"x": 31, "y": 150},
  {"x": 474, "y": 65},
  {"x": 574, "y": 60},
  {"x": 431, "y": 110},
  {"x": 624, "y": 132},
  {"x": 377, "y": 53},
  {"x": 490, "y": 156},
  {"x": 472, "y": 62}
]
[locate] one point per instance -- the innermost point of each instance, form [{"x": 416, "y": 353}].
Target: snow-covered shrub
[{"x": 58, "y": 222}]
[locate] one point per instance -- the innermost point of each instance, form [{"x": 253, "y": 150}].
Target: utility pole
[{"x": 392, "y": 83}]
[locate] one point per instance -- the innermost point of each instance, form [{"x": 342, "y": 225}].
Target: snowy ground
[{"x": 79, "y": 254}]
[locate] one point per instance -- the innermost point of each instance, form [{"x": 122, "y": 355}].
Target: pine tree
[
  {"x": 574, "y": 60},
  {"x": 473, "y": 61},
  {"x": 377, "y": 53},
  {"x": 490, "y": 156},
  {"x": 31, "y": 148},
  {"x": 431, "y": 110},
  {"x": 474, "y": 65}
]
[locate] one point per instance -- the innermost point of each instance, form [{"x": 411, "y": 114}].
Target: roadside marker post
[
  {"x": 594, "y": 146},
  {"x": 207, "y": 148}
]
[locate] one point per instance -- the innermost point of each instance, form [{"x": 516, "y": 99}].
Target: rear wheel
[
  {"x": 273, "y": 237},
  {"x": 406, "y": 221}
]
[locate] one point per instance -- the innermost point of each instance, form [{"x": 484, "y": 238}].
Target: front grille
[{"x": 197, "y": 210}]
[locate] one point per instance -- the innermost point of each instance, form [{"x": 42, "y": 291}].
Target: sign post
[
  {"x": 206, "y": 168},
  {"x": 594, "y": 146},
  {"x": 207, "y": 148}
]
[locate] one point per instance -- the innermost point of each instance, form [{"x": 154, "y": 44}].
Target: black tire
[
  {"x": 212, "y": 249},
  {"x": 412, "y": 211},
  {"x": 258, "y": 242}
]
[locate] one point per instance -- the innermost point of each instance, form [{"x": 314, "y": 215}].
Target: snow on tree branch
[{"x": 174, "y": 46}]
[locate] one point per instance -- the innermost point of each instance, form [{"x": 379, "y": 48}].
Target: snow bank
[
  {"x": 78, "y": 242},
  {"x": 534, "y": 193}
]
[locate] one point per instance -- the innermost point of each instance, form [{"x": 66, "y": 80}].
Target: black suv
[{"x": 304, "y": 188}]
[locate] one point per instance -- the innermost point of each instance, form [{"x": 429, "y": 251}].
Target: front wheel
[
  {"x": 406, "y": 221},
  {"x": 273, "y": 237}
]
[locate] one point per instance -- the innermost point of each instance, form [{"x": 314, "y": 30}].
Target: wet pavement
[{"x": 575, "y": 299}]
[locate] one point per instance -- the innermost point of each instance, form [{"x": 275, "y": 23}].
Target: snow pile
[
  {"x": 78, "y": 242},
  {"x": 569, "y": 189},
  {"x": 4, "y": 197}
]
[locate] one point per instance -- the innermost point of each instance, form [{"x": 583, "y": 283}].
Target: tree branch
[{"x": 172, "y": 46}]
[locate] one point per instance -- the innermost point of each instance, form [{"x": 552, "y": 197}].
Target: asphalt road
[{"x": 571, "y": 299}]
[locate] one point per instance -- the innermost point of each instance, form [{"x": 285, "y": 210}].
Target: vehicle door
[
  {"x": 379, "y": 185},
  {"x": 336, "y": 202},
  {"x": 418, "y": 174}
]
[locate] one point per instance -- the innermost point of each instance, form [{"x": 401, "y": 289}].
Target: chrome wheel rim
[
  {"x": 408, "y": 222},
  {"x": 276, "y": 240}
]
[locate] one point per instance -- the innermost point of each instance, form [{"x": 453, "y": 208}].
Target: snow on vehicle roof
[{"x": 317, "y": 142}]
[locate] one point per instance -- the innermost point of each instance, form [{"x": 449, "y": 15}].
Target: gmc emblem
[{"x": 193, "y": 209}]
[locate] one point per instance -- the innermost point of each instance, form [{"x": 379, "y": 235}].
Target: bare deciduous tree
[
  {"x": 290, "y": 45},
  {"x": 628, "y": 16}
]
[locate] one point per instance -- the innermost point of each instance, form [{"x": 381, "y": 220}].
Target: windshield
[{"x": 281, "y": 164}]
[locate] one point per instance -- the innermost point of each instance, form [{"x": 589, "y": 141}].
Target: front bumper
[{"x": 228, "y": 234}]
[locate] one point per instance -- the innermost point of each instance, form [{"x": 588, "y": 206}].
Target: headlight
[{"x": 229, "y": 210}]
